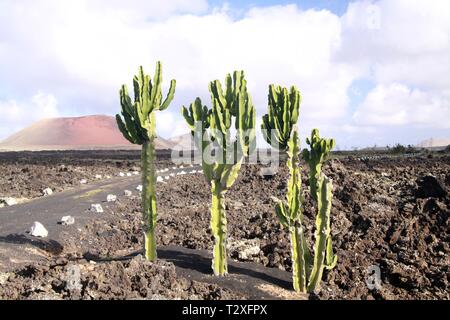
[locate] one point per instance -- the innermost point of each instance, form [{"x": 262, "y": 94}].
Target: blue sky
[
  {"x": 336, "y": 6},
  {"x": 364, "y": 79}
]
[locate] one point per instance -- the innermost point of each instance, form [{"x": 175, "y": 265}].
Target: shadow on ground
[
  {"x": 257, "y": 281},
  {"x": 49, "y": 246}
]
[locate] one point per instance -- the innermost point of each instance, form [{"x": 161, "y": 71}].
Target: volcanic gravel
[{"x": 389, "y": 214}]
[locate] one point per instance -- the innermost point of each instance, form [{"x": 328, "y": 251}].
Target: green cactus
[
  {"x": 291, "y": 216},
  {"x": 211, "y": 129},
  {"x": 307, "y": 271},
  {"x": 137, "y": 124},
  {"x": 284, "y": 109},
  {"x": 321, "y": 189}
]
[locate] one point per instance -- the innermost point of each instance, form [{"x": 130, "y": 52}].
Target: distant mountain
[
  {"x": 77, "y": 133},
  {"x": 183, "y": 142},
  {"x": 433, "y": 142}
]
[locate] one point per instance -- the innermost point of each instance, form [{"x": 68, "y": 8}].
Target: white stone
[
  {"x": 129, "y": 174},
  {"x": 111, "y": 198},
  {"x": 108, "y": 177},
  {"x": 172, "y": 175},
  {"x": 167, "y": 177},
  {"x": 83, "y": 181},
  {"x": 139, "y": 188},
  {"x": 246, "y": 249},
  {"x": 182, "y": 173},
  {"x": 159, "y": 179},
  {"x": 97, "y": 208},
  {"x": 127, "y": 193},
  {"x": 67, "y": 221},
  {"x": 174, "y": 168},
  {"x": 181, "y": 167},
  {"x": 9, "y": 201},
  {"x": 38, "y": 230},
  {"x": 98, "y": 176},
  {"x": 136, "y": 173},
  {"x": 121, "y": 174},
  {"x": 47, "y": 192},
  {"x": 194, "y": 171}
]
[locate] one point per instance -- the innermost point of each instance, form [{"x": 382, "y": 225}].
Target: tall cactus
[
  {"x": 281, "y": 123},
  {"x": 211, "y": 129},
  {"x": 284, "y": 108},
  {"x": 291, "y": 216},
  {"x": 137, "y": 124},
  {"x": 322, "y": 192}
]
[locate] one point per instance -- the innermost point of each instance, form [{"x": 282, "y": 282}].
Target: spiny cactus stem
[
  {"x": 219, "y": 230},
  {"x": 314, "y": 176},
  {"x": 322, "y": 232},
  {"x": 299, "y": 273},
  {"x": 149, "y": 196}
]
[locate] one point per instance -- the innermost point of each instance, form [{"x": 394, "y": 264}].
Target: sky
[{"x": 371, "y": 72}]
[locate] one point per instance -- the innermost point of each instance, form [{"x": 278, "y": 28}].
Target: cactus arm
[
  {"x": 144, "y": 85},
  {"x": 230, "y": 92},
  {"x": 124, "y": 130},
  {"x": 229, "y": 175},
  {"x": 154, "y": 89},
  {"x": 320, "y": 150},
  {"x": 245, "y": 123},
  {"x": 331, "y": 258},
  {"x": 282, "y": 116},
  {"x": 322, "y": 232},
  {"x": 295, "y": 100},
  {"x": 189, "y": 120},
  {"x": 219, "y": 230},
  {"x": 281, "y": 211},
  {"x": 266, "y": 133},
  {"x": 170, "y": 96},
  {"x": 128, "y": 113},
  {"x": 286, "y": 114}
]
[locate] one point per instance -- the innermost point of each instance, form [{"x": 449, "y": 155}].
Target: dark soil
[
  {"x": 133, "y": 279},
  {"x": 391, "y": 214}
]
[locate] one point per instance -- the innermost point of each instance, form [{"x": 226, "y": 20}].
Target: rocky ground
[
  {"x": 390, "y": 214},
  {"x": 25, "y": 175}
]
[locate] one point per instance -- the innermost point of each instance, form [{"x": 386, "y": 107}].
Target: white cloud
[
  {"x": 398, "y": 105},
  {"x": 406, "y": 41},
  {"x": 83, "y": 50},
  {"x": 19, "y": 114},
  {"x": 96, "y": 53},
  {"x": 171, "y": 124}
]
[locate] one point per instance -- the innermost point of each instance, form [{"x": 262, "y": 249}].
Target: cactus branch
[
  {"x": 282, "y": 117},
  {"x": 322, "y": 232}
]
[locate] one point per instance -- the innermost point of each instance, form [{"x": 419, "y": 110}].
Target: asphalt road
[{"x": 18, "y": 247}]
